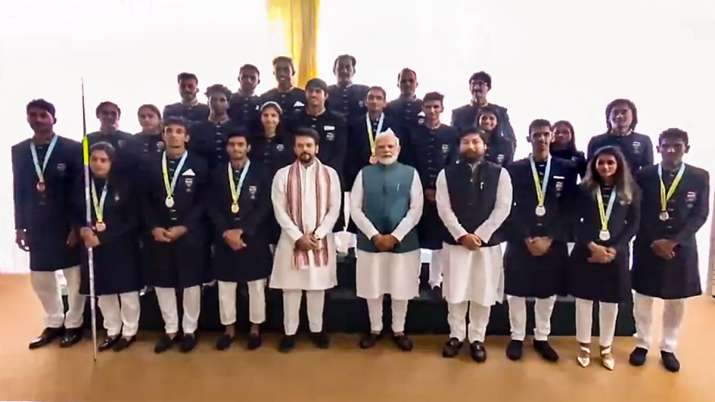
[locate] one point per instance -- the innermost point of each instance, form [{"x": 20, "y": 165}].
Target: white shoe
[
  {"x": 584, "y": 356},
  {"x": 607, "y": 359}
]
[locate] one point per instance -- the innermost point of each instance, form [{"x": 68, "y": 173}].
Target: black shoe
[
  {"x": 47, "y": 336},
  {"x": 369, "y": 340},
  {"x": 478, "y": 352},
  {"x": 164, "y": 343},
  {"x": 514, "y": 350},
  {"x": 452, "y": 347},
  {"x": 638, "y": 356},
  {"x": 670, "y": 362},
  {"x": 224, "y": 342},
  {"x": 71, "y": 337},
  {"x": 108, "y": 342},
  {"x": 320, "y": 339},
  {"x": 188, "y": 343},
  {"x": 123, "y": 343},
  {"x": 287, "y": 343},
  {"x": 546, "y": 351},
  {"x": 402, "y": 342},
  {"x": 254, "y": 341}
]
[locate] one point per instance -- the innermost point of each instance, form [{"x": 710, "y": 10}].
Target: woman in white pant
[
  {"x": 606, "y": 217},
  {"x": 113, "y": 238}
]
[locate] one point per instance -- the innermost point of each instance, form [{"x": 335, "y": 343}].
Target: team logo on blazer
[
  {"x": 61, "y": 166},
  {"x": 445, "y": 148},
  {"x": 691, "y": 196},
  {"x": 361, "y": 103},
  {"x": 636, "y": 147},
  {"x": 189, "y": 181},
  {"x": 280, "y": 147},
  {"x": 159, "y": 146},
  {"x": 330, "y": 136},
  {"x": 559, "y": 185},
  {"x": 120, "y": 143},
  {"x": 116, "y": 197},
  {"x": 500, "y": 158},
  {"x": 252, "y": 191}
]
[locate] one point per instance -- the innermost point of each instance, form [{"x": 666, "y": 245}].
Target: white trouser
[
  {"x": 256, "y": 301},
  {"x": 169, "y": 312},
  {"x": 607, "y": 314},
  {"x": 478, "y": 320},
  {"x": 673, "y": 311},
  {"x": 542, "y": 317},
  {"x": 48, "y": 291},
  {"x": 121, "y": 313},
  {"x": 315, "y": 300},
  {"x": 435, "y": 269},
  {"x": 399, "y": 314}
]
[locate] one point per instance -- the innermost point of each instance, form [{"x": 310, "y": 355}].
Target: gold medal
[
  {"x": 100, "y": 226},
  {"x": 234, "y": 208},
  {"x": 41, "y": 187}
]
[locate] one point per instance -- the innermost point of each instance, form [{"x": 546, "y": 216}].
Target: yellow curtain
[{"x": 299, "y": 20}]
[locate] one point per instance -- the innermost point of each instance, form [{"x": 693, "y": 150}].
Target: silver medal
[
  {"x": 664, "y": 216},
  {"x": 604, "y": 235},
  {"x": 169, "y": 202},
  {"x": 540, "y": 210}
]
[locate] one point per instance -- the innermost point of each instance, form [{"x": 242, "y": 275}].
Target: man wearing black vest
[{"x": 473, "y": 200}]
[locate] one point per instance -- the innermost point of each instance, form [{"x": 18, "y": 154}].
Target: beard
[
  {"x": 306, "y": 157},
  {"x": 470, "y": 156},
  {"x": 387, "y": 160}
]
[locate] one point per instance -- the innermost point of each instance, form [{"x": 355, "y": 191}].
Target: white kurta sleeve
[
  {"x": 280, "y": 206},
  {"x": 501, "y": 210},
  {"x": 415, "y": 212},
  {"x": 444, "y": 208},
  {"x": 334, "y": 202},
  {"x": 356, "y": 213}
]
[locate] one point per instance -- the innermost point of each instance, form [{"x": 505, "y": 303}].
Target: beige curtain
[{"x": 299, "y": 21}]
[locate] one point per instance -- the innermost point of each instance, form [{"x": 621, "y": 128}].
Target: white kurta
[
  {"x": 476, "y": 276},
  {"x": 285, "y": 274},
  {"x": 396, "y": 274}
]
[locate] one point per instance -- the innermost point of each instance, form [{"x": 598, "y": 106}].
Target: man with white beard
[{"x": 386, "y": 205}]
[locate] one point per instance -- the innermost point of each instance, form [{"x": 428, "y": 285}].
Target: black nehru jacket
[
  {"x": 472, "y": 196},
  {"x": 291, "y": 101},
  {"x": 348, "y": 101},
  {"x": 465, "y": 117},
  {"x": 245, "y": 110},
  {"x": 116, "y": 259},
  {"x": 253, "y": 217},
  {"x": 576, "y": 157},
  {"x": 687, "y": 212},
  {"x": 46, "y": 216},
  {"x": 190, "y": 113},
  {"x": 273, "y": 153},
  {"x": 126, "y": 160},
  {"x": 405, "y": 113},
  {"x": 179, "y": 263},
  {"x": 538, "y": 276},
  {"x": 637, "y": 148},
  {"x": 333, "y": 136},
  {"x": 499, "y": 150},
  {"x": 208, "y": 140},
  {"x": 146, "y": 145}
]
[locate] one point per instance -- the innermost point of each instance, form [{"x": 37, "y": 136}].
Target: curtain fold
[{"x": 299, "y": 21}]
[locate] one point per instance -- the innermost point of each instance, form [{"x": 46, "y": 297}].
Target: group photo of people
[{"x": 268, "y": 191}]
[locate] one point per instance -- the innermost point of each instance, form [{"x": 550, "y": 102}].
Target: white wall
[{"x": 557, "y": 59}]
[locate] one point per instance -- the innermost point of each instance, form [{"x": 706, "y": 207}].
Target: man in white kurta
[
  {"x": 306, "y": 202},
  {"x": 386, "y": 205},
  {"x": 473, "y": 200}
]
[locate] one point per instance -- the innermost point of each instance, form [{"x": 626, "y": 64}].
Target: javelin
[{"x": 88, "y": 217}]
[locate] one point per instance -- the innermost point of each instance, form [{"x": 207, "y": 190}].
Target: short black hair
[
  {"x": 352, "y": 59},
  {"x": 406, "y": 70},
  {"x": 284, "y": 59},
  {"x": 248, "y": 67},
  {"x": 307, "y": 132},
  {"x": 106, "y": 147},
  {"x": 432, "y": 96},
  {"x": 469, "y": 130},
  {"x": 482, "y": 76},
  {"x": 218, "y": 88},
  {"x": 186, "y": 76},
  {"x": 377, "y": 88},
  {"x": 621, "y": 101},
  {"x": 240, "y": 131},
  {"x": 108, "y": 103},
  {"x": 674, "y": 133},
  {"x": 151, "y": 107},
  {"x": 41, "y": 104},
  {"x": 538, "y": 123},
  {"x": 316, "y": 83},
  {"x": 177, "y": 121}
]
